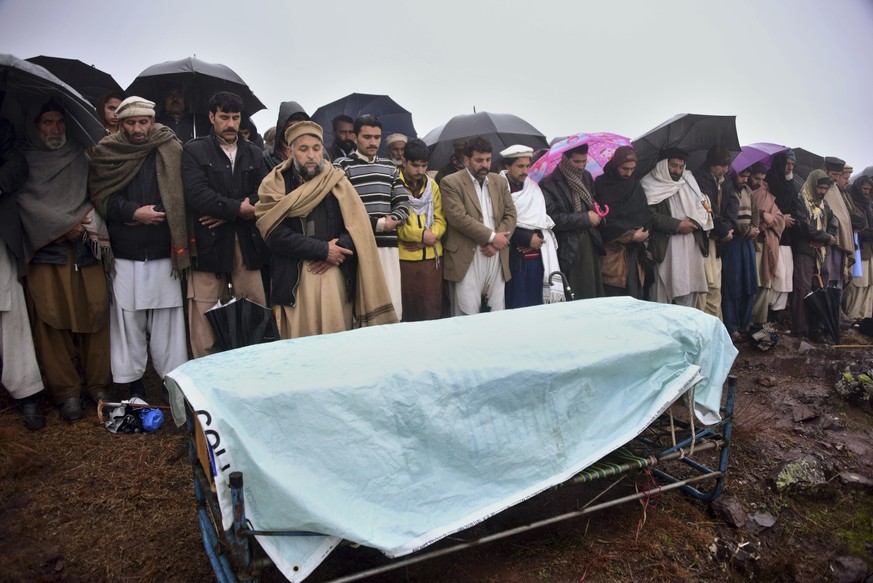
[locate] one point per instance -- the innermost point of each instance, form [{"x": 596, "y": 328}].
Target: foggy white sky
[{"x": 798, "y": 73}]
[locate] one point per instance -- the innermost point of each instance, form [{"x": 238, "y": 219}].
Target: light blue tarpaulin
[{"x": 396, "y": 436}]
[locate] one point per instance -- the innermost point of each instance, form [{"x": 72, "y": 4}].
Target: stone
[
  {"x": 855, "y": 481},
  {"x": 729, "y": 509},
  {"x": 849, "y": 569},
  {"x": 801, "y": 413},
  {"x": 806, "y": 474},
  {"x": 767, "y": 381},
  {"x": 759, "y": 521},
  {"x": 805, "y": 347}
]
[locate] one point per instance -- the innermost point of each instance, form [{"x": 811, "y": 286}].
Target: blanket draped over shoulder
[
  {"x": 117, "y": 161},
  {"x": 372, "y": 301}
]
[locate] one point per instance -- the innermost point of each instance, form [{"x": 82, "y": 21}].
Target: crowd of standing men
[{"x": 113, "y": 247}]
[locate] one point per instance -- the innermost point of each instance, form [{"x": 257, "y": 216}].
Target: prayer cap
[
  {"x": 395, "y": 138},
  {"x": 834, "y": 164},
  {"x": 135, "y": 106},
  {"x": 517, "y": 151},
  {"x": 824, "y": 181},
  {"x": 790, "y": 155},
  {"x": 303, "y": 128},
  {"x": 848, "y": 169}
]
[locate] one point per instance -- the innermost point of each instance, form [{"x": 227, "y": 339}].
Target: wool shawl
[
  {"x": 765, "y": 202},
  {"x": 628, "y": 208},
  {"x": 815, "y": 209},
  {"x": 117, "y": 161},
  {"x": 373, "y": 304},
  {"x": 659, "y": 186}
]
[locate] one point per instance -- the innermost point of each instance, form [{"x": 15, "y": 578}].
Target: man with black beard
[
  {"x": 344, "y": 142},
  {"x": 780, "y": 181},
  {"x": 324, "y": 267}
]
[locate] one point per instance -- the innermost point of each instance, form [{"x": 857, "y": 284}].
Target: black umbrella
[
  {"x": 868, "y": 171},
  {"x": 395, "y": 119},
  {"x": 88, "y": 80},
  {"x": 694, "y": 133},
  {"x": 199, "y": 79},
  {"x": 824, "y": 302},
  {"x": 806, "y": 162},
  {"x": 241, "y": 322},
  {"x": 25, "y": 83},
  {"x": 501, "y": 129}
]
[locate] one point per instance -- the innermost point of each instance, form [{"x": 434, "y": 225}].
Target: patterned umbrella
[
  {"x": 758, "y": 152},
  {"x": 601, "y": 147}
]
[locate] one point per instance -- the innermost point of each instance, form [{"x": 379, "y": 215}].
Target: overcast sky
[{"x": 797, "y": 73}]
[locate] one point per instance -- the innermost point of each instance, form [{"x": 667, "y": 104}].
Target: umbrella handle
[
  {"x": 601, "y": 212},
  {"x": 818, "y": 277}
]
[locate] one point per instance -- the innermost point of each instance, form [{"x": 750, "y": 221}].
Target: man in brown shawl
[
  {"x": 771, "y": 224},
  {"x": 325, "y": 271},
  {"x": 136, "y": 183},
  {"x": 66, "y": 284}
]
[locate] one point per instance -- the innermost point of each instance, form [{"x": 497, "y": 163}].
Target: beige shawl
[
  {"x": 372, "y": 301},
  {"x": 766, "y": 203}
]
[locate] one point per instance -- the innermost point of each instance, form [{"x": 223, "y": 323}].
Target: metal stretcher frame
[{"x": 231, "y": 552}]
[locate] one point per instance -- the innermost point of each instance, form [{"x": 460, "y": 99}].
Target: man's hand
[
  {"x": 391, "y": 223},
  {"x": 833, "y": 240},
  {"x": 147, "y": 215},
  {"x": 75, "y": 231},
  {"x": 489, "y": 250},
  {"x": 594, "y": 218},
  {"x": 413, "y": 246},
  {"x": 211, "y": 222},
  {"x": 317, "y": 267},
  {"x": 500, "y": 241},
  {"x": 766, "y": 219},
  {"x": 686, "y": 226},
  {"x": 246, "y": 210},
  {"x": 536, "y": 242},
  {"x": 336, "y": 254},
  {"x": 640, "y": 235},
  {"x": 789, "y": 221},
  {"x": 729, "y": 236},
  {"x": 754, "y": 232},
  {"x": 429, "y": 239}
]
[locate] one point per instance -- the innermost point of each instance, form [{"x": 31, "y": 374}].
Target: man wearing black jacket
[{"x": 221, "y": 174}]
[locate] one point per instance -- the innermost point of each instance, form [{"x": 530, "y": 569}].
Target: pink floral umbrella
[{"x": 601, "y": 147}]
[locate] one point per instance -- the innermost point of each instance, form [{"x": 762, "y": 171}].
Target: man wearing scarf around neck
[
  {"x": 815, "y": 234},
  {"x": 841, "y": 256},
  {"x": 66, "y": 284},
  {"x": 627, "y": 228},
  {"x": 569, "y": 194},
  {"x": 221, "y": 175},
  {"x": 481, "y": 217},
  {"x": 739, "y": 266},
  {"x": 136, "y": 183},
  {"x": 772, "y": 222},
  {"x": 680, "y": 219},
  {"x": 421, "y": 270},
  {"x": 325, "y": 270},
  {"x": 533, "y": 247},
  {"x": 713, "y": 182}
]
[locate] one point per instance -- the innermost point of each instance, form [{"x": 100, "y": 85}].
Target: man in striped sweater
[{"x": 377, "y": 181}]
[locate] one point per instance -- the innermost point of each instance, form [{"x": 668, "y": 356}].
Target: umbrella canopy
[
  {"x": 601, "y": 148},
  {"x": 868, "y": 171},
  {"x": 758, "y": 152},
  {"x": 25, "y": 83},
  {"x": 806, "y": 162},
  {"x": 88, "y": 80},
  {"x": 694, "y": 133},
  {"x": 501, "y": 129},
  {"x": 241, "y": 322},
  {"x": 395, "y": 119},
  {"x": 198, "y": 79}
]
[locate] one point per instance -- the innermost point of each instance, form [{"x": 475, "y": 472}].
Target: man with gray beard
[{"x": 324, "y": 269}]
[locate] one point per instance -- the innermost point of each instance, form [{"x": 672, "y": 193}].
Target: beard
[
  {"x": 675, "y": 177},
  {"x": 308, "y": 173},
  {"x": 789, "y": 176},
  {"x": 53, "y": 142}
]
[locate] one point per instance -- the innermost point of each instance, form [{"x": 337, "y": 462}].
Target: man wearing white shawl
[
  {"x": 533, "y": 247},
  {"x": 421, "y": 270},
  {"x": 681, "y": 216}
]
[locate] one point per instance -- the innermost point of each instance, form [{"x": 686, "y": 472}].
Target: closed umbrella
[
  {"x": 24, "y": 83},
  {"x": 395, "y": 119},
  {"x": 694, "y": 133},
  {"x": 199, "y": 79},
  {"x": 501, "y": 129},
  {"x": 241, "y": 322},
  {"x": 88, "y": 80}
]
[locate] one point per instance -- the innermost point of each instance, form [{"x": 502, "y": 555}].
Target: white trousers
[
  {"x": 484, "y": 277},
  {"x": 389, "y": 257},
  {"x": 20, "y": 369}
]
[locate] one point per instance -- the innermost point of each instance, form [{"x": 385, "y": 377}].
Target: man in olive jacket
[
  {"x": 221, "y": 175},
  {"x": 480, "y": 218}
]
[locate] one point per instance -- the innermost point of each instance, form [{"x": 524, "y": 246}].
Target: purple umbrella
[{"x": 758, "y": 152}]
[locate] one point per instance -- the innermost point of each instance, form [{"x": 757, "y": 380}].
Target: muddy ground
[{"x": 79, "y": 504}]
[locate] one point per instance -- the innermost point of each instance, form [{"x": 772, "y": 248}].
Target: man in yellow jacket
[{"x": 421, "y": 271}]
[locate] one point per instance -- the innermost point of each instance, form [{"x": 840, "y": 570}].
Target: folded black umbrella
[
  {"x": 88, "y": 80},
  {"x": 23, "y": 83},
  {"x": 824, "y": 302},
  {"x": 242, "y": 322},
  {"x": 199, "y": 79},
  {"x": 694, "y": 133},
  {"x": 501, "y": 129},
  {"x": 395, "y": 119}
]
